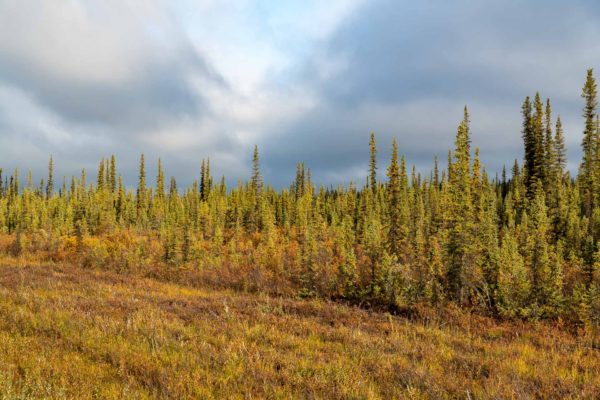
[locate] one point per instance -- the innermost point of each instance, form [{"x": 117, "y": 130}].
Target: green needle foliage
[{"x": 523, "y": 246}]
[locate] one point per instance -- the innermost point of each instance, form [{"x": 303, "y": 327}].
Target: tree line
[{"x": 518, "y": 246}]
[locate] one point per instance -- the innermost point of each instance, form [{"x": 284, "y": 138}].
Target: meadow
[{"x": 72, "y": 332}]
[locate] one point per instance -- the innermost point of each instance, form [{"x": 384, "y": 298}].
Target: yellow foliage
[{"x": 88, "y": 334}]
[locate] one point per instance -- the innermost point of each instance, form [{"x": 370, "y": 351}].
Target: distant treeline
[{"x": 518, "y": 246}]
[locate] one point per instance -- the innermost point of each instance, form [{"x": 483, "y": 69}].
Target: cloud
[
  {"x": 186, "y": 80},
  {"x": 405, "y": 70},
  {"x": 99, "y": 64},
  {"x": 95, "y": 78},
  {"x": 178, "y": 80}
]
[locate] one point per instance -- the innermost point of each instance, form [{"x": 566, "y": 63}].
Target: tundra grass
[{"x": 68, "y": 332}]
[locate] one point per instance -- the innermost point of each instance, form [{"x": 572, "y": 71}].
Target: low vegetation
[{"x": 68, "y": 332}]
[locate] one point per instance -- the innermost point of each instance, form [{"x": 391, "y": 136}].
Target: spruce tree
[
  {"x": 120, "y": 203},
  {"x": 530, "y": 144},
  {"x": 560, "y": 149},
  {"x": 373, "y": 164},
  {"x": 50, "y": 183},
  {"x": 100, "y": 178},
  {"x": 173, "y": 192},
  {"x": 436, "y": 173},
  {"x": 538, "y": 249},
  {"x": 256, "y": 182},
  {"x": 112, "y": 178},
  {"x": 434, "y": 285},
  {"x": 549, "y": 151},
  {"x": 160, "y": 181},
  {"x": 63, "y": 190},
  {"x": 256, "y": 193},
  {"x": 513, "y": 292},
  {"x": 203, "y": 181},
  {"x": 299, "y": 182},
  {"x": 538, "y": 173},
  {"x": 393, "y": 190},
  {"x": 459, "y": 224},
  {"x": 141, "y": 190},
  {"x": 83, "y": 181},
  {"x": 209, "y": 179},
  {"x": 588, "y": 144}
]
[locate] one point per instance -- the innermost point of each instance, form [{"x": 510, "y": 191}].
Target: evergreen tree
[
  {"x": 160, "y": 181},
  {"x": 256, "y": 182},
  {"x": 460, "y": 214},
  {"x": 549, "y": 151},
  {"x": 173, "y": 187},
  {"x": 373, "y": 164},
  {"x": 112, "y": 178},
  {"x": 393, "y": 189},
  {"x": 436, "y": 173},
  {"x": 120, "y": 203},
  {"x": 50, "y": 183},
  {"x": 141, "y": 190},
  {"x": 533, "y": 137},
  {"x": 209, "y": 179},
  {"x": 538, "y": 173},
  {"x": 538, "y": 250},
  {"x": 299, "y": 182},
  {"x": 513, "y": 294},
  {"x": 202, "y": 178},
  {"x": 100, "y": 179},
  {"x": 434, "y": 286},
  {"x": 560, "y": 149},
  {"x": 587, "y": 167}
]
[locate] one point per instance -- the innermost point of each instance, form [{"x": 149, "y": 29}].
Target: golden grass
[{"x": 68, "y": 332}]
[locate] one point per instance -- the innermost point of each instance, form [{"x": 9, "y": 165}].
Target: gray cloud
[
  {"x": 125, "y": 77},
  {"x": 405, "y": 70},
  {"x": 81, "y": 87},
  {"x": 111, "y": 74}
]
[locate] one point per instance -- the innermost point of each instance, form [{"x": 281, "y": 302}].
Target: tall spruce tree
[
  {"x": 141, "y": 190},
  {"x": 100, "y": 177},
  {"x": 549, "y": 151},
  {"x": 160, "y": 181},
  {"x": 533, "y": 138},
  {"x": 560, "y": 149},
  {"x": 460, "y": 218},
  {"x": 587, "y": 169},
  {"x": 373, "y": 164},
  {"x": 256, "y": 193},
  {"x": 393, "y": 196},
  {"x": 112, "y": 177},
  {"x": 256, "y": 182},
  {"x": 538, "y": 138},
  {"x": 50, "y": 183}
]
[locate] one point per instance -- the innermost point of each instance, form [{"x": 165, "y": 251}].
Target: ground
[{"x": 69, "y": 332}]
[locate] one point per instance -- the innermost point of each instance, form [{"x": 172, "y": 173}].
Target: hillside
[{"x": 67, "y": 332}]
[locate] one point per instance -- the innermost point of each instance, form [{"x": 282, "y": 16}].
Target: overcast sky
[{"x": 305, "y": 80}]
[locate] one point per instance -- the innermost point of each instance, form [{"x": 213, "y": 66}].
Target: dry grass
[{"x": 67, "y": 332}]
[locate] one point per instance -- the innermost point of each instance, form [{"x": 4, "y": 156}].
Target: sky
[{"x": 305, "y": 80}]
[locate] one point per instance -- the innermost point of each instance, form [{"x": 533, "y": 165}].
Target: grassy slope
[{"x": 72, "y": 333}]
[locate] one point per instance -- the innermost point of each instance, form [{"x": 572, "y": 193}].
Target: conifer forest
[
  {"x": 511, "y": 250},
  {"x": 521, "y": 245}
]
